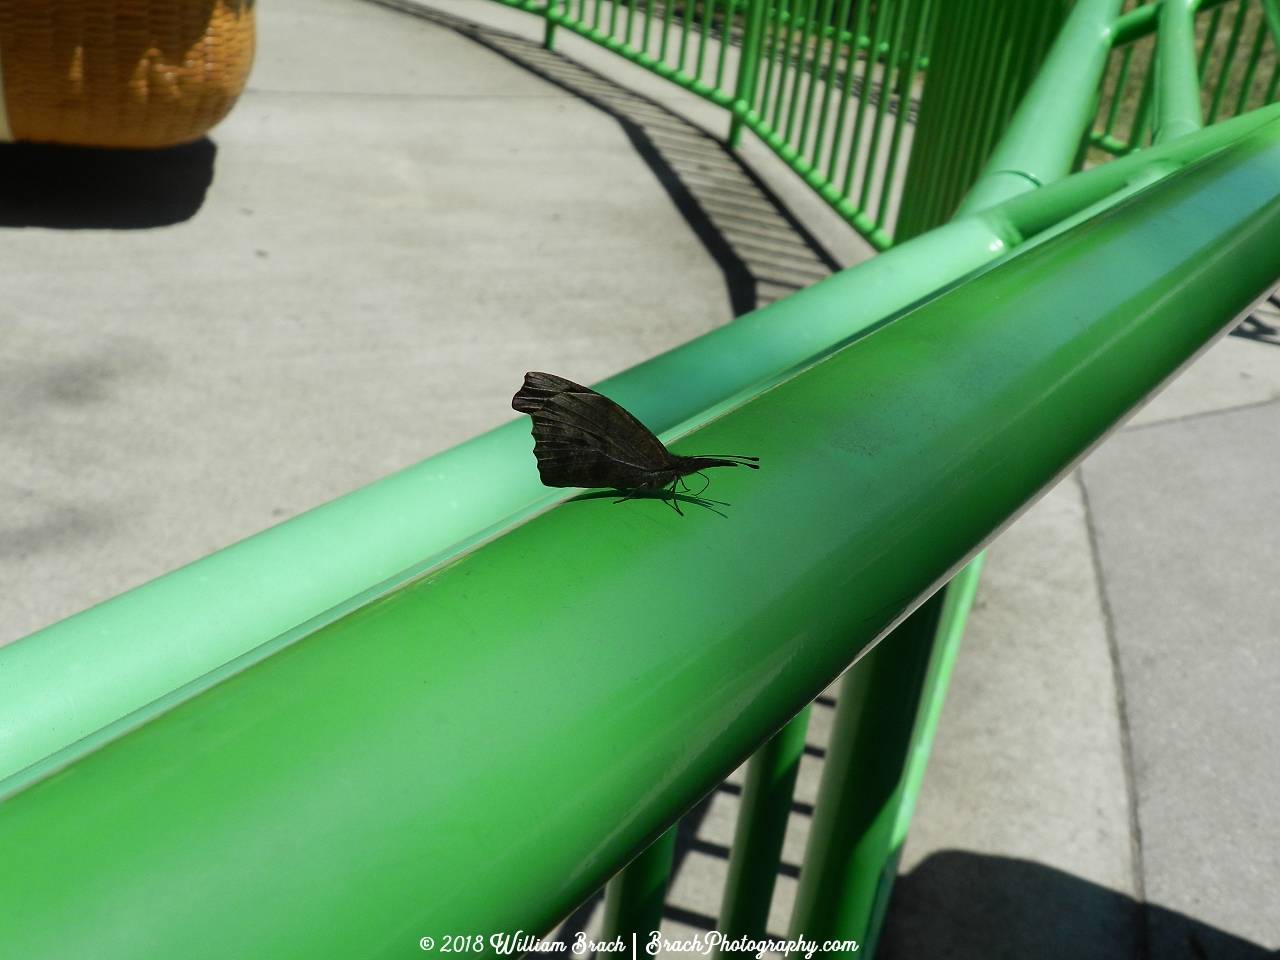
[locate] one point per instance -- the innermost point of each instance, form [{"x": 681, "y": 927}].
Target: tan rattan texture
[{"x": 122, "y": 73}]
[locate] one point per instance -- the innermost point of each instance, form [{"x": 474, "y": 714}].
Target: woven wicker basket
[{"x": 122, "y": 73}]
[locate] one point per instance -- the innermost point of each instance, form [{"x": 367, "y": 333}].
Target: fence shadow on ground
[{"x": 764, "y": 252}]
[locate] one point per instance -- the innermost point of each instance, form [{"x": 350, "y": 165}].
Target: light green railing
[
  {"x": 457, "y": 703},
  {"x": 830, "y": 85},
  {"x": 1233, "y": 46}
]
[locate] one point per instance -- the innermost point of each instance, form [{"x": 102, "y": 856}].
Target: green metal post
[
  {"x": 1044, "y": 134},
  {"x": 985, "y": 55},
  {"x": 551, "y": 15},
  {"x": 633, "y": 899},
  {"x": 748, "y": 69},
  {"x": 1177, "y": 77},
  {"x": 762, "y": 827},
  {"x": 851, "y": 837}
]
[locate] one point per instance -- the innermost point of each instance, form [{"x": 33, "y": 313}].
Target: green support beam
[
  {"x": 761, "y": 829},
  {"x": 1177, "y": 76},
  {"x": 1043, "y": 137}
]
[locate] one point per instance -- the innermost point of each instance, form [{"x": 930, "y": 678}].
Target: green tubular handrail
[
  {"x": 83, "y": 681},
  {"x": 115, "y": 661},
  {"x": 353, "y": 793},
  {"x": 1042, "y": 139}
]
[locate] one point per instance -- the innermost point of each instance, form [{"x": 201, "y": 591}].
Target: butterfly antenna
[{"x": 745, "y": 461}]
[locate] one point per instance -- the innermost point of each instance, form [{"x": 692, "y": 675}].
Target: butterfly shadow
[{"x": 670, "y": 496}]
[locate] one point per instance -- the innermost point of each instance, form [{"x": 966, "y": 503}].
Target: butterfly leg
[{"x": 675, "y": 504}]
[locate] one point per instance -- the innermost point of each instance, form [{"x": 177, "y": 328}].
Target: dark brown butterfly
[{"x": 584, "y": 439}]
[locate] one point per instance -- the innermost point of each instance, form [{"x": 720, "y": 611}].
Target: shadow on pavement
[
  {"x": 966, "y": 906},
  {"x": 764, "y": 252},
  {"x": 86, "y": 188}
]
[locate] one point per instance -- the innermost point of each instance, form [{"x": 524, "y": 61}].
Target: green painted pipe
[
  {"x": 1041, "y": 141},
  {"x": 635, "y": 896},
  {"x": 1030, "y": 214},
  {"x": 80, "y": 682},
  {"x": 481, "y": 748},
  {"x": 761, "y": 830},
  {"x": 849, "y": 841},
  {"x": 1177, "y": 78},
  {"x": 885, "y": 722}
]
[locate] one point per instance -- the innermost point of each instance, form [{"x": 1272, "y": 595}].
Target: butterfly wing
[{"x": 584, "y": 439}]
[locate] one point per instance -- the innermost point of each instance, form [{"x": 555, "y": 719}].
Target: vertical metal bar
[
  {"x": 648, "y": 25},
  {"x": 820, "y": 43},
  {"x": 633, "y": 899},
  {"x": 1206, "y": 50},
  {"x": 1251, "y": 68},
  {"x": 864, "y": 95},
  {"x": 549, "y": 28},
  {"x": 687, "y": 13},
  {"x": 797, "y": 16},
  {"x": 704, "y": 35},
  {"x": 726, "y": 34},
  {"x": 762, "y": 827},
  {"x": 833, "y": 68},
  {"x": 804, "y": 65},
  {"x": 1178, "y": 87},
  {"x": 1117, "y": 95},
  {"x": 1228, "y": 60},
  {"x": 779, "y": 12},
  {"x": 955, "y": 612},
  {"x": 748, "y": 67},
  {"x": 1142, "y": 116},
  {"x": 846, "y": 88},
  {"x": 907, "y": 79},
  {"x": 1272, "y": 9},
  {"x": 666, "y": 28},
  {"x": 857, "y": 807},
  {"x": 631, "y": 17},
  {"x": 882, "y": 107},
  {"x": 613, "y": 17}
]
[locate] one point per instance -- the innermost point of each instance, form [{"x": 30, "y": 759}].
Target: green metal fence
[
  {"x": 317, "y": 775},
  {"x": 1235, "y": 47},
  {"x": 830, "y": 85},
  {"x": 838, "y": 88}
]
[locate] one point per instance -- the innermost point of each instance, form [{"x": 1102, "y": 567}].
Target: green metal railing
[
  {"x": 1232, "y": 44},
  {"x": 829, "y": 85},
  {"x": 382, "y": 727},
  {"x": 839, "y": 88}
]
